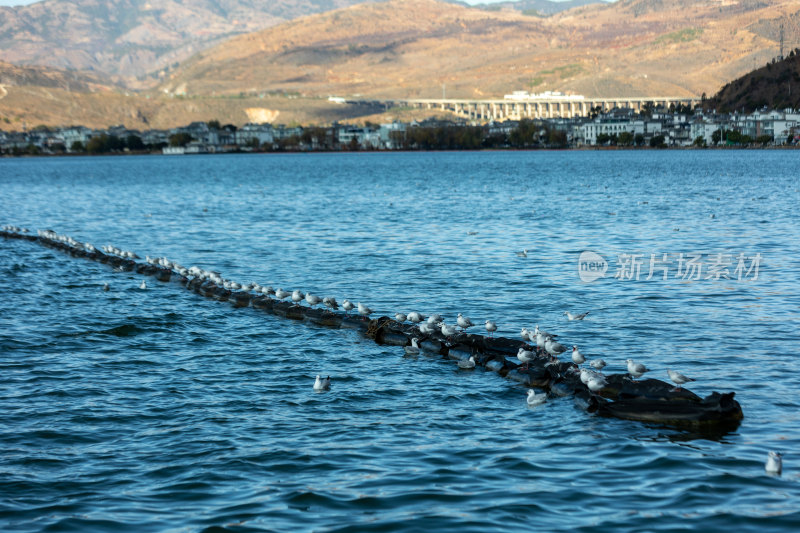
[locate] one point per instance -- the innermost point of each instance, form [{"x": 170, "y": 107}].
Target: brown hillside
[{"x": 410, "y": 48}]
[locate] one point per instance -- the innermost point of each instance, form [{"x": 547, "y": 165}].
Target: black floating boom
[{"x": 648, "y": 400}]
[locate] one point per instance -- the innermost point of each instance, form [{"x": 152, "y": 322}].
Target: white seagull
[
  {"x": 363, "y": 310},
  {"x": 312, "y": 299},
  {"x": 330, "y": 303},
  {"x": 464, "y": 322},
  {"x": 491, "y": 327},
  {"x": 143, "y": 285},
  {"x": 636, "y": 369},
  {"x": 678, "y": 378},
  {"x": 553, "y": 348},
  {"x": 576, "y": 317},
  {"x": 597, "y": 364},
  {"x": 774, "y": 463},
  {"x": 414, "y": 348},
  {"x": 448, "y": 331},
  {"x": 322, "y": 384},
  {"x": 468, "y": 364},
  {"x": 348, "y": 306},
  {"x": 577, "y": 356},
  {"x": 400, "y": 317},
  {"x": 536, "y": 399},
  {"x": 435, "y": 319},
  {"x": 415, "y": 317},
  {"x": 297, "y": 296},
  {"x": 281, "y": 294},
  {"x": 523, "y": 253},
  {"x": 426, "y": 329},
  {"x": 525, "y": 356},
  {"x": 596, "y": 383}
]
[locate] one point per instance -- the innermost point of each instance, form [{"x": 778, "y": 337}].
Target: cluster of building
[{"x": 614, "y": 127}]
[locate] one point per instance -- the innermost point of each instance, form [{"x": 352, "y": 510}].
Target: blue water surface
[{"x": 158, "y": 410}]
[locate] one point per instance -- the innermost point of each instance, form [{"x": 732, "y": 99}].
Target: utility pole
[
  {"x": 443, "y": 87},
  {"x": 781, "y": 56}
]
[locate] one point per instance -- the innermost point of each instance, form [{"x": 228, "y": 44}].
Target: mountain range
[{"x": 163, "y": 64}]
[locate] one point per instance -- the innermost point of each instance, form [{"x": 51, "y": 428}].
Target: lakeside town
[{"x": 652, "y": 127}]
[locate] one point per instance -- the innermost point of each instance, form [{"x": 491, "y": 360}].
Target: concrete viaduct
[{"x": 533, "y": 108}]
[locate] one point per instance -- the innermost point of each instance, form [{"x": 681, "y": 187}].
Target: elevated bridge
[{"x": 530, "y": 108}]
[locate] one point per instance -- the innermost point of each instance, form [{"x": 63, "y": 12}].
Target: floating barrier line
[{"x": 647, "y": 400}]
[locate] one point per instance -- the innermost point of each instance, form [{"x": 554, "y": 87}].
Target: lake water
[{"x": 159, "y": 410}]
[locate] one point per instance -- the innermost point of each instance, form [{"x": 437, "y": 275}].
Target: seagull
[
  {"x": 415, "y": 317},
  {"x": 526, "y": 335},
  {"x": 536, "y": 331},
  {"x": 636, "y": 369},
  {"x": 448, "y": 331},
  {"x": 143, "y": 285},
  {"x": 281, "y": 294},
  {"x": 525, "y": 356},
  {"x": 468, "y": 364},
  {"x": 523, "y": 253},
  {"x": 330, "y": 303},
  {"x": 297, "y": 296},
  {"x": 678, "y": 378},
  {"x": 400, "y": 317},
  {"x": 576, "y": 317},
  {"x": 414, "y": 348},
  {"x": 540, "y": 340},
  {"x": 426, "y": 329},
  {"x": 348, "y": 306},
  {"x": 577, "y": 356},
  {"x": 586, "y": 375},
  {"x": 322, "y": 384},
  {"x": 464, "y": 322},
  {"x": 597, "y": 364},
  {"x": 774, "y": 463},
  {"x": 491, "y": 327},
  {"x": 536, "y": 399},
  {"x": 106, "y": 287},
  {"x": 363, "y": 310},
  {"x": 312, "y": 300},
  {"x": 435, "y": 319},
  {"x": 596, "y": 383},
  {"x": 553, "y": 348}
]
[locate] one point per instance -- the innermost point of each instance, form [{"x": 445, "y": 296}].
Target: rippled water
[{"x": 159, "y": 410}]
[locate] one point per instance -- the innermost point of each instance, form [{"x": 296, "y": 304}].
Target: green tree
[
  {"x": 213, "y": 124},
  {"x": 638, "y": 139},
  {"x": 625, "y": 138},
  {"x": 716, "y": 137},
  {"x": 658, "y": 142},
  {"x": 134, "y": 142},
  {"x": 764, "y": 139},
  {"x": 77, "y": 146},
  {"x": 180, "y": 139},
  {"x": 700, "y": 141},
  {"x": 603, "y": 138}
]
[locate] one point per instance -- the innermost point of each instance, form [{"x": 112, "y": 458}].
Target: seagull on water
[
  {"x": 597, "y": 364},
  {"x": 491, "y": 327},
  {"x": 468, "y": 364},
  {"x": 577, "y": 356},
  {"x": 536, "y": 399},
  {"x": 636, "y": 369},
  {"x": 678, "y": 378},
  {"x": 297, "y": 296},
  {"x": 143, "y": 285},
  {"x": 281, "y": 294},
  {"x": 523, "y": 253},
  {"x": 774, "y": 463},
  {"x": 525, "y": 356},
  {"x": 400, "y": 317},
  {"x": 464, "y": 322},
  {"x": 415, "y": 317},
  {"x": 312, "y": 299},
  {"x": 106, "y": 287},
  {"x": 414, "y": 348},
  {"x": 322, "y": 384},
  {"x": 363, "y": 310},
  {"x": 576, "y": 317},
  {"x": 348, "y": 306}
]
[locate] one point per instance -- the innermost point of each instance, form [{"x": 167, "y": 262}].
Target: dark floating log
[{"x": 647, "y": 400}]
